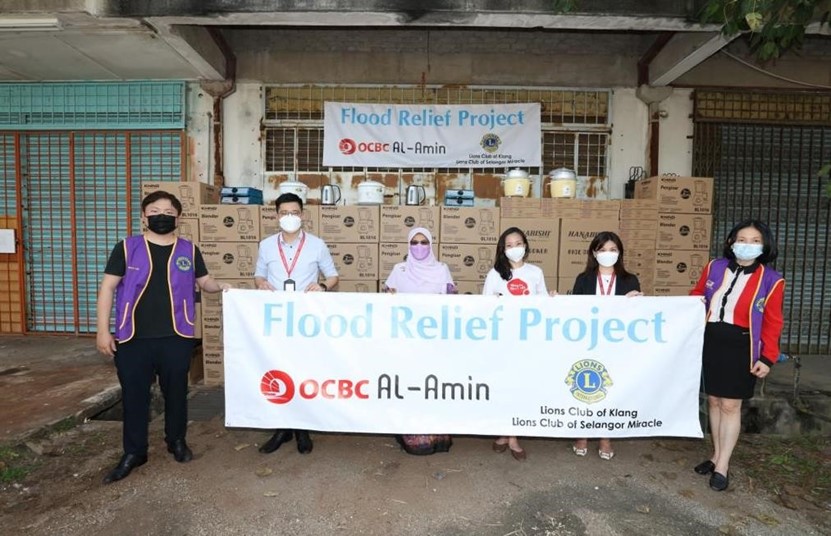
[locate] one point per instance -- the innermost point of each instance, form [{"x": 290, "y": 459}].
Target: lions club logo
[
  {"x": 277, "y": 387},
  {"x": 183, "y": 264},
  {"x": 588, "y": 380},
  {"x": 490, "y": 142}
]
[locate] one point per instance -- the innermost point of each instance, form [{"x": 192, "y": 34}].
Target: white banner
[
  {"x": 568, "y": 366},
  {"x": 449, "y": 136}
]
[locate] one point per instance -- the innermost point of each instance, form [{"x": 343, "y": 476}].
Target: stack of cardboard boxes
[
  {"x": 684, "y": 230},
  {"x": 352, "y": 233},
  {"x": 666, "y": 232},
  {"x": 468, "y": 244}
]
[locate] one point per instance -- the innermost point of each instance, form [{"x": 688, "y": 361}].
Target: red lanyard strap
[
  {"x": 296, "y": 255},
  {"x": 609, "y": 288}
]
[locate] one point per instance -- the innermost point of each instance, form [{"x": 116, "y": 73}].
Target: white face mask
[
  {"x": 747, "y": 252},
  {"x": 607, "y": 259},
  {"x": 515, "y": 254},
  {"x": 290, "y": 223}
]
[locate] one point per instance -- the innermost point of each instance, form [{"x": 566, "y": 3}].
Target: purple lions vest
[
  {"x": 764, "y": 286},
  {"x": 181, "y": 282}
]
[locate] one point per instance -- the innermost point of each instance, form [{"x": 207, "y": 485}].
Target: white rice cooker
[
  {"x": 563, "y": 183},
  {"x": 516, "y": 183},
  {"x": 370, "y": 193},
  {"x": 294, "y": 187}
]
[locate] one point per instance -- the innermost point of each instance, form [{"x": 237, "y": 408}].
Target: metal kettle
[
  {"x": 415, "y": 195},
  {"x": 330, "y": 194}
]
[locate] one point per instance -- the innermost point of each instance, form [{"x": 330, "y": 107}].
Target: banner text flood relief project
[{"x": 565, "y": 366}]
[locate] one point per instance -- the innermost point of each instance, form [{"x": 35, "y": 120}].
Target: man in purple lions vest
[{"x": 152, "y": 278}]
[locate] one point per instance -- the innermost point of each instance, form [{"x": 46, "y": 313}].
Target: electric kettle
[
  {"x": 415, "y": 195},
  {"x": 330, "y": 194}
]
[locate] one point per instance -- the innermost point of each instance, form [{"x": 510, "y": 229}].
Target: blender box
[
  {"x": 679, "y": 267},
  {"x": 398, "y": 220},
  {"x": 191, "y": 194},
  {"x": 468, "y": 262},
  {"x": 684, "y": 231},
  {"x": 230, "y": 260},
  {"x": 470, "y": 225},
  {"x": 229, "y": 223},
  {"x": 349, "y": 223},
  {"x": 690, "y": 195},
  {"x": 355, "y": 262}
]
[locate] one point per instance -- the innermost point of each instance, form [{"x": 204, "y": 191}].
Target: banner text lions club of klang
[
  {"x": 449, "y": 136},
  {"x": 567, "y": 366}
]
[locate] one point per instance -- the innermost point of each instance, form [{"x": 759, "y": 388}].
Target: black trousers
[{"x": 138, "y": 362}]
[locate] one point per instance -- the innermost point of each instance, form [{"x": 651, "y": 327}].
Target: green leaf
[{"x": 824, "y": 171}]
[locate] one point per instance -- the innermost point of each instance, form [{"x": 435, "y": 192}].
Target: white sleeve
[
  {"x": 492, "y": 283},
  {"x": 262, "y": 266},
  {"x": 325, "y": 263}
]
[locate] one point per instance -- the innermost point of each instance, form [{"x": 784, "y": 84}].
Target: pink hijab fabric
[{"x": 428, "y": 276}]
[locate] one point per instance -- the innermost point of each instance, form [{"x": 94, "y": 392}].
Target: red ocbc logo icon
[
  {"x": 278, "y": 388},
  {"x": 347, "y": 146}
]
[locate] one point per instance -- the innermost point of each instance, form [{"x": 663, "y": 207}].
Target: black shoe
[
  {"x": 128, "y": 463},
  {"x": 719, "y": 482},
  {"x": 279, "y": 437},
  {"x": 705, "y": 468},
  {"x": 180, "y": 450},
  {"x": 304, "y": 442}
]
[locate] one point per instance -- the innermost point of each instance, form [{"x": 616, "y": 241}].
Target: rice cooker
[
  {"x": 294, "y": 187},
  {"x": 516, "y": 183},
  {"x": 370, "y": 193},
  {"x": 562, "y": 183}
]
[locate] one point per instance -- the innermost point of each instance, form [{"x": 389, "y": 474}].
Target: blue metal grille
[{"x": 93, "y": 105}]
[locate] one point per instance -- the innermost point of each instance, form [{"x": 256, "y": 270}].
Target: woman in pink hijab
[{"x": 421, "y": 273}]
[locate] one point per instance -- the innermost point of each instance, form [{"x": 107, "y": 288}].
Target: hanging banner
[
  {"x": 451, "y": 136},
  {"x": 567, "y": 366}
]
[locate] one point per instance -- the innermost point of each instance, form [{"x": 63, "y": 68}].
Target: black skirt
[{"x": 726, "y": 362}]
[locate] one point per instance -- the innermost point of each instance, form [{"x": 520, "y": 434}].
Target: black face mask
[{"x": 161, "y": 223}]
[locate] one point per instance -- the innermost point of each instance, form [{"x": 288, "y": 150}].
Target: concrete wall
[{"x": 471, "y": 57}]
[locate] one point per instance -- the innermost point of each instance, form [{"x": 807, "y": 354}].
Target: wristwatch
[{"x": 323, "y": 286}]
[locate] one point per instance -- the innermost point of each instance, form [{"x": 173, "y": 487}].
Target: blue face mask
[{"x": 747, "y": 252}]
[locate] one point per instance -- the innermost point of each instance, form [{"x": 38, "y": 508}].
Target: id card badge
[{"x": 289, "y": 286}]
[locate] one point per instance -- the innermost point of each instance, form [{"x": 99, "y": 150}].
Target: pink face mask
[{"x": 420, "y": 251}]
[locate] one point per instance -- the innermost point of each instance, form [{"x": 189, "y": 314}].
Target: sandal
[
  {"x": 579, "y": 452},
  {"x": 605, "y": 455},
  {"x": 499, "y": 447}
]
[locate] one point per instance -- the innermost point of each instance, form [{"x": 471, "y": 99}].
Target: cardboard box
[
  {"x": 355, "y": 262},
  {"x": 357, "y": 286},
  {"x": 349, "y": 224},
  {"x": 470, "y": 225},
  {"x": 679, "y": 267},
  {"x": 230, "y": 260},
  {"x": 397, "y": 221},
  {"x": 213, "y": 364},
  {"x": 270, "y": 223},
  {"x": 189, "y": 229},
  {"x": 212, "y": 330},
  {"x": 196, "y": 370},
  {"x": 565, "y": 285},
  {"x": 637, "y": 248},
  {"x": 641, "y": 265},
  {"x": 197, "y": 320},
  {"x": 213, "y": 300},
  {"x": 575, "y": 209},
  {"x": 229, "y": 223},
  {"x": 470, "y": 287},
  {"x": 670, "y": 291},
  {"x": 575, "y": 237},
  {"x": 684, "y": 231},
  {"x": 689, "y": 195},
  {"x": 645, "y": 235},
  {"x": 467, "y": 262},
  {"x": 520, "y": 207},
  {"x": 190, "y": 194},
  {"x": 638, "y": 209},
  {"x": 633, "y": 224},
  {"x": 391, "y": 254},
  {"x": 543, "y": 240}
]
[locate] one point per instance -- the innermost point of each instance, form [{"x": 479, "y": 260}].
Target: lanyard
[
  {"x": 609, "y": 288},
  {"x": 296, "y": 255}
]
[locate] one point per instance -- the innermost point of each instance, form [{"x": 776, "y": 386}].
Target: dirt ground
[{"x": 361, "y": 484}]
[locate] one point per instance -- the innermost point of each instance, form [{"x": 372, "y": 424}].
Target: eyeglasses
[
  {"x": 295, "y": 213},
  {"x": 417, "y": 242}
]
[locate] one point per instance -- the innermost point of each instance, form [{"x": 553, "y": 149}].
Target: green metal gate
[
  {"x": 76, "y": 190},
  {"x": 764, "y": 151}
]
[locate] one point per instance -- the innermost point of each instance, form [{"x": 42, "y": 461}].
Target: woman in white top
[{"x": 512, "y": 276}]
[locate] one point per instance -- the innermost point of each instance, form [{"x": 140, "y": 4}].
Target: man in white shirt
[{"x": 292, "y": 260}]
